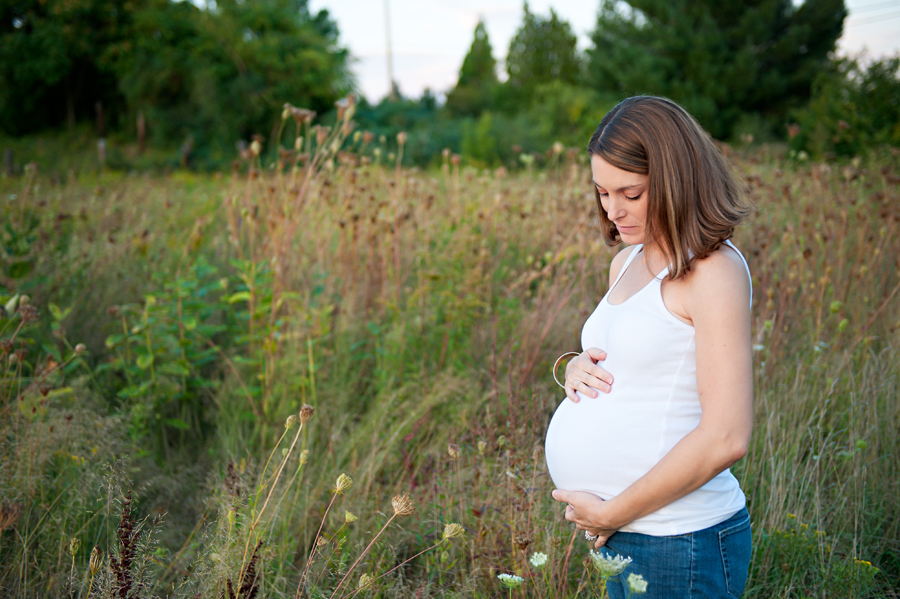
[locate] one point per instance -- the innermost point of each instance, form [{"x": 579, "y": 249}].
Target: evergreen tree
[
  {"x": 542, "y": 51},
  {"x": 722, "y": 59},
  {"x": 477, "y": 78}
]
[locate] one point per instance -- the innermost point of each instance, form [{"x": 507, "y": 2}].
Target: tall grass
[{"x": 419, "y": 312}]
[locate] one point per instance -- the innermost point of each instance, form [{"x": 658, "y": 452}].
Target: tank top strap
[
  {"x": 746, "y": 267},
  {"x": 628, "y": 260}
]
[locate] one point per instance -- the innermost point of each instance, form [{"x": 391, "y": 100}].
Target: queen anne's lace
[{"x": 609, "y": 566}]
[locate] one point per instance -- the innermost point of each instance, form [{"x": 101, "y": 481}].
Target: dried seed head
[
  {"x": 80, "y": 349},
  {"x": 403, "y": 506},
  {"x": 9, "y": 514},
  {"x": 366, "y": 582},
  {"x": 44, "y": 390},
  {"x": 96, "y": 560},
  {"x": 304, "y": 456},
  {"x": 481, "y": 447},
  {"x": 306, "y": 413},
  {"x": 452, "y": 531},
  {"x": 342, "y": 484},
  {"x": 348, "y": 517},
  {"x": 74, "y": 544},
  {"x": 322, "y": 134},
  {"x": 453, "y": 450},
  {"x": 28, "y": 313},
  {"x": 523, "y": 540},
  {"x": 321, "y": 541},
  {"x": 290, "y": 422},
  {"x": 537, "y": 453}
]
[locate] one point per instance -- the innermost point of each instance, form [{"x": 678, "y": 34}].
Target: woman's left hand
[{"x": 589, "y": 513}]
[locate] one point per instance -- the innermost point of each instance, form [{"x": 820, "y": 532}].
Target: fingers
[{"x": 595, "y": 354}]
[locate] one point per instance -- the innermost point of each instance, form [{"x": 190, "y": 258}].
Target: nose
[{"x": 615, "y": 207}]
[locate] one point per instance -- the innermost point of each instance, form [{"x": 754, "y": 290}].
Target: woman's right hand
[{"x": 585, "y": 376}]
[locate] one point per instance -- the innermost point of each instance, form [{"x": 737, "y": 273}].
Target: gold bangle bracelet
[{"x": 556, "y": 365}]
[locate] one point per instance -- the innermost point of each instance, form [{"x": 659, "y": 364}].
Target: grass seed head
[{"x": 402, "y": 504}]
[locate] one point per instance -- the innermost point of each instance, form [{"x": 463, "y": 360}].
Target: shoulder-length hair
[{"x": 694, "y": 198}]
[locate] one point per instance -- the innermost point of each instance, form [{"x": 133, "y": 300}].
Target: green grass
[{"x": 413, "y": 310}]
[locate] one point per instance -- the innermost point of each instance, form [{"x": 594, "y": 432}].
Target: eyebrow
[{"x": 621, "y": 188}]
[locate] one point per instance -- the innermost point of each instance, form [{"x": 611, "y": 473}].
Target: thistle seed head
[
  {"x": 342, "y": 484},
  {"x": 306, "y": 412},
  {"x": 453, "y": 450},
  {"x": 452, "y": 531},
  {"x": 402, "y": 504}
]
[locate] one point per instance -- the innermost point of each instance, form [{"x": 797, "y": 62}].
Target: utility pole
[{"x": 390, "y": 59}]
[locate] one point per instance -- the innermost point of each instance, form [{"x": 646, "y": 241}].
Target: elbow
[{"x": 735, "y": 448}]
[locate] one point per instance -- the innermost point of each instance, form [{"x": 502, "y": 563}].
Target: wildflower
[
  {"x": 306, "y": 413},
  {"x": 96, "y": 560},
  {"x": 80, "y": 349},
  {"x": 609, "y": 566},
  {"x": 558, "y": 148},
  {"x": 349, "y": 517},
  {"x": 453, "y": 450},
  {"x": 255, "y": 147},
  {"x": 510, "y": 581},
  {"x": 538, "y": 559},
  {"x": 28, "y": 313},
  {"x": 452, "y": 530},
  {"x": 342, "y": 484},
  {"x": 290, "y": 422},
  {"x": 402, "y": 505},
  {"x": 637, "y": 584}
]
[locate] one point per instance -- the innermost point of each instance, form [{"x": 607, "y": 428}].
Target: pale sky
[{"x": 430, "y": 38}]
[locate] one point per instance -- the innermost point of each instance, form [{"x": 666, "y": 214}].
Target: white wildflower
[
  {"x": 609, "y": 566},
  {"x": 510, "y": 581},
  {"x": 538, "y": 559},
  {"x": 637, "y": 584}
]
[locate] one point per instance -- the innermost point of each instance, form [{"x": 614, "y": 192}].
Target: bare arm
[{"x": 718, "y": 301}]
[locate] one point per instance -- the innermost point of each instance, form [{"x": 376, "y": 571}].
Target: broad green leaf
[
  {"x": 240, "y": 296},
  {"x": 144, "y": 361}
]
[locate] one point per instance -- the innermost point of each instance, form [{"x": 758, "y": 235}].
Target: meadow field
[{"x": 327, "y": 375}]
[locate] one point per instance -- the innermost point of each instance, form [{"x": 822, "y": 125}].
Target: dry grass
[{"x": 415, "y": 310}]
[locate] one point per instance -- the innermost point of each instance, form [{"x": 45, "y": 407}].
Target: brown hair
[{"x": 694, "y": 198}]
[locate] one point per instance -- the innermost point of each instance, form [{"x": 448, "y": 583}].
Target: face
[{"x": 623, "y": 195}]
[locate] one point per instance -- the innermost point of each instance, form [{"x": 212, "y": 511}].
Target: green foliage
[
  {"x": 475, "y": 89},
  {"x": 542, "y": 51},
  {"x": 805, "y": 563},
  {"x": 854, "y": 109},
  {"x": 718, "y": 60}
]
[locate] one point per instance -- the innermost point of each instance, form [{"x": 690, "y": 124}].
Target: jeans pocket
[{"x": 734, "y": 545}]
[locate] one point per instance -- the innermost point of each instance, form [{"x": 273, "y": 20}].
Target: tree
[
  {"x": 477, "y": 78},
  {"x": 721, "y": 59},
  {"x": 542, "y": 51},
  {"x": 52, "y": 67}
]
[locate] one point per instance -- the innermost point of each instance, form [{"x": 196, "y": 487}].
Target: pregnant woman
[{"x": 659, "y": 403}]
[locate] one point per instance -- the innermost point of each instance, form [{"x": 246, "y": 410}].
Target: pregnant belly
[{"x": 599, "y": 445}]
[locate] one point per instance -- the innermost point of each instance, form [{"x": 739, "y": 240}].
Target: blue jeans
[{"x": 709, "y": 563}]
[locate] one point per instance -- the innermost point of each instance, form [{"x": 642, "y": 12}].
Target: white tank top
[{"x": 602, "y": 445}]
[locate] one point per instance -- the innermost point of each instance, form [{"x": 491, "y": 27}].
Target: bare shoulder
[
  {"x": 718, "y": 280},
  {"x": 618, "y": 262}
]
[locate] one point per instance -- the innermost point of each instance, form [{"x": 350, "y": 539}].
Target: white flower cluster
[
  {"x": 637, "y": 584},
  {"x": 510, "y": 580},
  {"x": 538, "y": 559},
  {"x": 609, "y": 566}
]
